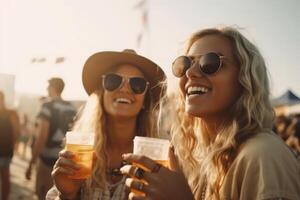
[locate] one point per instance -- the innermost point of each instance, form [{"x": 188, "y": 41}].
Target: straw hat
[{"x": 102, "y": 62}]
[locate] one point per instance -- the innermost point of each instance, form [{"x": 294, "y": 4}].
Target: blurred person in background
[
  {"x": 9, "y": 131},
  {"x": 23, "y": 139},
  {"x": 293, "y": 130},
  {"x": 281, "y": 125},
  {"x": 53, "y": 120},
  {"x": 223, "y": 139},
  {"x": 124, "y": 91}
]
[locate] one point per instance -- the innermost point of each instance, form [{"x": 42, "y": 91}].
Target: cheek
[
  {"x": 229, "y": 91},
  {"x": 182, "y": 82},
  {"x": 106, "y": 101},
  {"x": 140, "y": 100}
]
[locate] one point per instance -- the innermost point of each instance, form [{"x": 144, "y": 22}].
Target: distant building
[
  {"x": 7, "y": 86},
  {"x": 286, "y": 104}
]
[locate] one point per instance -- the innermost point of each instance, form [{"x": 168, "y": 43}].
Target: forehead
[
  {"x": 212, "y": 43},
  {"x": 128, "y": 70}
]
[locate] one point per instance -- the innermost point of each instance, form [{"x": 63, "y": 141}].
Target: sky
[{"x": 76, "y": 29}]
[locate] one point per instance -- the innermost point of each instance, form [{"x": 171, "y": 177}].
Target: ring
[
  {"x": 156, "y": 168},
  {"x": 140, "y": 186},
  {"x": 139, "y": 173}
]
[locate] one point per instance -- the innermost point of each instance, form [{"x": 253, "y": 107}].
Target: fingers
[
  {"x": 142, "y": 161},
  {"x": 134, "y": 171},
  {"x": 173, "y": 160},
  {"x": 61, "y": 170},
  {"x": 133, "y": 196},
  {"x": 139, "y": 189},
  {"x": 65, "y": 164},
  {"x": 136, "y": 185},
  {"x": 66, "y": 154}
]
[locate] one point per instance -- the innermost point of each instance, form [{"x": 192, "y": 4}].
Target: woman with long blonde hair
[
  {"x": 124, "y": 97},
  {"x": 223, "y": 140}
]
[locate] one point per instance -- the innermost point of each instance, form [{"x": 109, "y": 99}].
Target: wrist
[{"x": 69, "y": 197}]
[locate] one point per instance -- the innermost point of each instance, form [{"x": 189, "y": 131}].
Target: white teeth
[
  {"x": 197, "y": 90},
  {"x": 123, "y": 100}
]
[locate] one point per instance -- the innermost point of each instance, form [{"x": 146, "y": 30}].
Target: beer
[
  {"x": 154, "y": 148},
  {"x": 164, "y": 163},
  {"x": 83, "y": 157},
  {"x": 82, "y": 145}
]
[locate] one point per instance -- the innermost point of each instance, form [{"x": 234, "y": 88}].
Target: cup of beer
[
  {"x": 155, "y": 148},
  {"x": 82, "y": 145}
]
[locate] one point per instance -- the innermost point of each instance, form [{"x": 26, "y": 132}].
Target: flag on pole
[
  {"x": 38, "y": 60},
  {"x": 33, "y": 60},
  {"x": 143, "y": 8},
  {"x": 59, "y": 60}
]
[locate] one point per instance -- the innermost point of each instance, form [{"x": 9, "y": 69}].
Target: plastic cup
[
  {"x": 154, "y": 148},
  {"x": 82, "y": 145}
]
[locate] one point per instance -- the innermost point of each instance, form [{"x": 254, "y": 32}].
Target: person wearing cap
[
  {"x": 53, "y": 121},
  {"x": 125, "y": 92}
]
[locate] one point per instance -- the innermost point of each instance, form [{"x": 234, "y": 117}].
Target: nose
[
  {"x": 125, "y": 87},
  {"x": 193, "y": 71}
]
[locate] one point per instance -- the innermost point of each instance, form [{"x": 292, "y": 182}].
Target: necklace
[{"x": 116, "y": 171}]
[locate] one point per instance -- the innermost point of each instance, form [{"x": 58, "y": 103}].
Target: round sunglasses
[
  {"x": 113, "y": 82},
  {"x": 208, "y": 63}
]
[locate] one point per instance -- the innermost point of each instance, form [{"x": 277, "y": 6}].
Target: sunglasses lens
[
  {"x": 112, "y": 82},
  {"x": 180, "y": 65},
  {"x": 210, "y": 63},
  {"x": 138, "y": 85}
]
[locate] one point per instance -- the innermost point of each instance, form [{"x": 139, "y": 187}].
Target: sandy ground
[{"x": 21, "y": 189}]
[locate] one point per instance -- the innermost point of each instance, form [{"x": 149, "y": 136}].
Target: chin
[{"x": 194, "y": 112}]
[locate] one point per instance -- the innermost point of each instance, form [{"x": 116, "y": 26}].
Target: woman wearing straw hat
[{"x": 125, "y": 91}]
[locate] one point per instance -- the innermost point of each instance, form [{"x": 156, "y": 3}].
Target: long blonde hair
[
  {"x": 92, "y": 118},
  {"x": 252, "y": 113}
]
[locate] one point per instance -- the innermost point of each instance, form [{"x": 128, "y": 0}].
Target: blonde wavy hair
[
  {"x": 252, "y": 113},
  {"x": 92, "y": 118}
]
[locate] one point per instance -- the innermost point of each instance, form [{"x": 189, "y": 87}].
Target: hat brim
[{"x": 102, "y": 62}]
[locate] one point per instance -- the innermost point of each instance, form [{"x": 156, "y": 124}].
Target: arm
[
  {"x": 15, "y": 124},
  {"x": 40, "y": 141},
  {"x": 41, "y": 138}
]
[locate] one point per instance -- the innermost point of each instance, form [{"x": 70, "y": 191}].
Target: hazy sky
[{"x": 76, "y": 29}]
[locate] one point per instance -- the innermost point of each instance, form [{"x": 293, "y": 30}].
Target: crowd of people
[
  {"x": 288, "y": 128},
  {"x": 226, "y": 141}
]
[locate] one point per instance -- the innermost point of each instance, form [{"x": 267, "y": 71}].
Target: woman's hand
[
  {"x": 63, "y": 168},
  {"x": 163, "y": 183}
]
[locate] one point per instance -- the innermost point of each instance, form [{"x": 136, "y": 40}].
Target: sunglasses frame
[
  {"x": 123, "y": 81},
  {"x": 193, "y": 59}
]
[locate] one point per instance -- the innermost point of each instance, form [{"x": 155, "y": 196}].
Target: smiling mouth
[
  {"x": 196, "y": 90},
  {"x": 123, "y": 100}
]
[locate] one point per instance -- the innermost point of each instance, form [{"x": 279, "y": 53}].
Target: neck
[
  {"x": 121, "y": 132},
  {"x": 56, "y": 97},
  {"x": 212, "y": 128}
]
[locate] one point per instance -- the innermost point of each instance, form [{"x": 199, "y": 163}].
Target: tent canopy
[{"x": 286, "y": 99}]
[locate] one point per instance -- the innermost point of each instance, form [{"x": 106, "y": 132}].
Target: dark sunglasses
[
  {"x": 113, "y": 82},
  {"x": 208, "y": 64}
]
